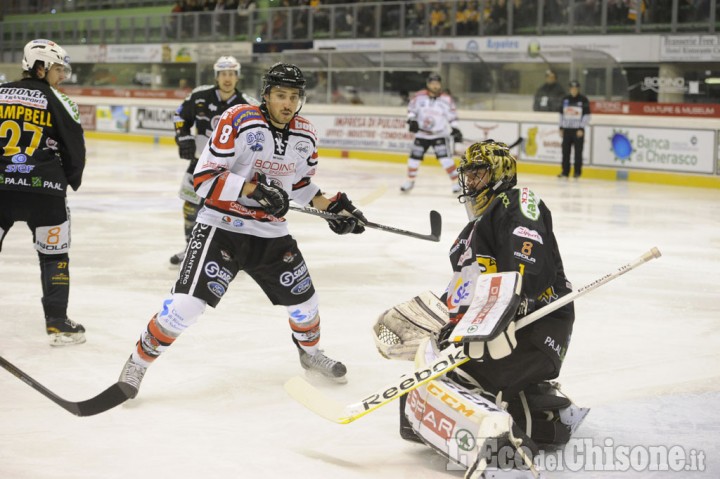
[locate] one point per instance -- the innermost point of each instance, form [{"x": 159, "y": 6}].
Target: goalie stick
[
  {"x": 435, "y": 223},
  {"x": 113, "y": 396},
  {"x": 452, "y": 357}
]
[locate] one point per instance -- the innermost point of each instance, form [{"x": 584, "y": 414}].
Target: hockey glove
[
  {"x": 413, "y": 126},
  {"x": 347, "y": 224},
  {"x": 186, "y": 147},
  {"x": 273, "y": 200},
  {"x": 457, "y": 135}
]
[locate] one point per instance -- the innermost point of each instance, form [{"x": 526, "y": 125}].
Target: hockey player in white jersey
[
  {"x": 258, "y": 159},
  {"x": 202, "y": 109},
  {"x": 433, "y": 119}
]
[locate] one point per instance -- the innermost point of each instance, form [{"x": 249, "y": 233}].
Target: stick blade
[
  {"x": 113, "y": 396},
  {"x": 435, "y": 225},
  {"x": 310, "y": 397}
]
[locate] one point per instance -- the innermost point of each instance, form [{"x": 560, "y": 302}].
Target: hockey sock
[
  {"x": 190, "y": 211},
  {"x": 450, "y": 168},
  {"x": 412, "y": 169},
  {"x": 307, "y": 335},
  {"x": 153, "y": 342},
  {"x": 55, "y": 277}
]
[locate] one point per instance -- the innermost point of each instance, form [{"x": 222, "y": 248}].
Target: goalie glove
[
  {"x": 273, "y": 200},
  {"x": 347, "y": 224},
  {"x": 186, "y": 147},
  {"x": 399, "y": 331}
]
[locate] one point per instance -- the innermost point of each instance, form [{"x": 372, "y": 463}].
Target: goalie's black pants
[{"x": 537, "y": 358}]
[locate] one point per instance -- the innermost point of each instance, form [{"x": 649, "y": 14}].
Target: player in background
[
  {"x": 510, "y": 230},
  {"x": 433, "y": 119},
  {"x": 257, "y": 160},
  {"x": 43, "y": 151},
  {"x": 574, "y": 117},
  {"x": 202, "y": 109}
]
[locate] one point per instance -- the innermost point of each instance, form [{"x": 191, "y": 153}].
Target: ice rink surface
[{"x": 645, "y": 353}]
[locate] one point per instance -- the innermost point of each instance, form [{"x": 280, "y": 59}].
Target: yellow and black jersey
[{"x": 42, "y": 146}]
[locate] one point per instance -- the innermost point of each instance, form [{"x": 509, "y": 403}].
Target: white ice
[{"x": 645, "y": 353}]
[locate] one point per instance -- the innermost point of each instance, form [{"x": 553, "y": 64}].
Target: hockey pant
[{"x": 443, "y": 151}]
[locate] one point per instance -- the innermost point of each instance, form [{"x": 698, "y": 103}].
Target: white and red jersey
[
  {"x": 436, "y": 116},
  {"x": 242, "y": 144}
]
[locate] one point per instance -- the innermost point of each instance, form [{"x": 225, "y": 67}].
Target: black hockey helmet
[
  {"x": 286, "y": 75},
  {"x": 433, "y": 77},
  {"x": 492, "y": 156}
]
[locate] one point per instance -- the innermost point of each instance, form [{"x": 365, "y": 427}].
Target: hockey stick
[
  {"x": 435, "y": 223},
  {"x": 452, "y": 357},
  {"x": 116, "y": 394}
]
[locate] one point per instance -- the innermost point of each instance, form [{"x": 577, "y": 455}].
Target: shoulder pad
[
  {"x": 69, "y": 105},
  {"x": 200, "y": 88},
  {"x": 242, "y": 113}
]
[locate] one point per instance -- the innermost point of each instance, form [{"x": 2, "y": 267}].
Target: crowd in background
[{"x": 421, "y": 18}]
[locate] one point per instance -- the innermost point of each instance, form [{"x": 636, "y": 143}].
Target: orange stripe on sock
[
  {"x": 159, "y": 335},
  {"x": 144, "y": 355},
  {"x": 304, "y": 328}
]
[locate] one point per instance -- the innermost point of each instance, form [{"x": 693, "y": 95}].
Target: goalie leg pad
[
  {"x": 460, "y": 424},
  {"x": 400, "y": 329}
]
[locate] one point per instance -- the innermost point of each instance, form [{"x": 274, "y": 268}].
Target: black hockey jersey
[
  {"x": 42, "y": 146},
  {"x": 202, "y": 108},
  {"x": 514, "y": 234}
]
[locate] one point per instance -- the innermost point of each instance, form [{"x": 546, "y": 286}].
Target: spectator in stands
[
  {"x": 586, "y": 12},
  {"x": 438, "y": 20},
  {"x": 246, "y": 15},
  {"x": 549, "y": 95},
  {"x": 416, "y": 19},
  {"x": 497, "y": 21},
  {"x": 632, "y": 10},
  {"x": 524, "y": 14}
]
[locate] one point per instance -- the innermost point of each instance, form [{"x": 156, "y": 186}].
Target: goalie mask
[
  {"x": 486, "y": 169},
  {"x": 48, "y": 53}
]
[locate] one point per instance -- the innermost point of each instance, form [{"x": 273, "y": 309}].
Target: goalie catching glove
[
  {"x": 273, "y": 200},
  {"x": 399, "y": 331},
  {"x": 353, "y": 219}
]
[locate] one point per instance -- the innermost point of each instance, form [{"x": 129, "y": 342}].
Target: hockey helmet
[
  {"x": 485, "y": 156},
  {"x": 226, "y": 63},
  {"x": 285, "y": 75},
  {"x": 434, "y": 77},
  {"x": 47, "y": 52}
]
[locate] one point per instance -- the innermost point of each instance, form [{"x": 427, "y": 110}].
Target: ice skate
[
  {"x": 132, "y": 374},
  {"x": 456, "y": 188},
  {"x": 177, "y": 258},
  {"x": 64, "y": 332},
  {"x": 322, "y": 364},
  {"x": 407, "y": 186}
]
